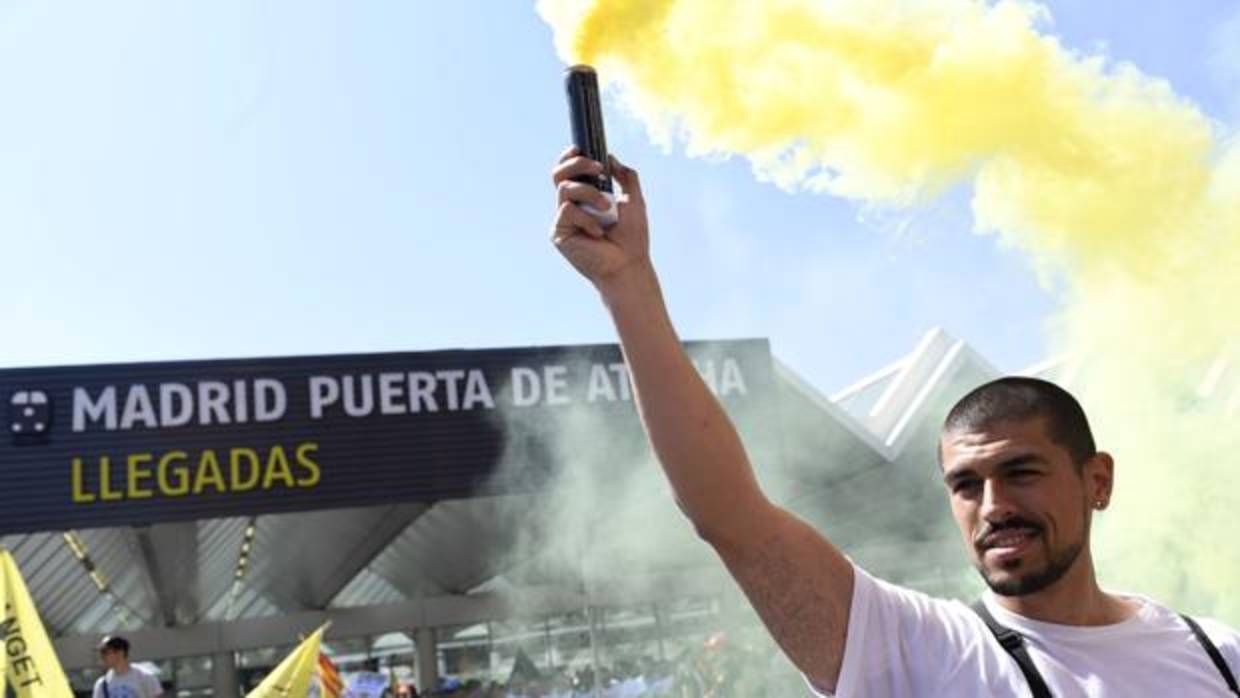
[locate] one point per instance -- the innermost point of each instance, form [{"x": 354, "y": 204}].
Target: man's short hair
[
  {"x": 1016, "y": 399},
  {"x": 114, "y": 642}
]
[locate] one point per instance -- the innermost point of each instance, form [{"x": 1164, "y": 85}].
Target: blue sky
[{"x": 235, "y": 179}]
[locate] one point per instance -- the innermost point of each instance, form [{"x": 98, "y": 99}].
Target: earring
[{"x": 1099, "y": 505}]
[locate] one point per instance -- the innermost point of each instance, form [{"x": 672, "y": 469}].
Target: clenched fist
[{"x": 599, "y": 254}]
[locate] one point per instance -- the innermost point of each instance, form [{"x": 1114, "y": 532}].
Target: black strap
[
  {"x": 1215, "y": 656},
  {"x": 1014, "y": 644},
  {"x": 106, "y": 692}
]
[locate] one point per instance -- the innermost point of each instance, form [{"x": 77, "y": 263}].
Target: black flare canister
[{"x": 585, "y": 113}]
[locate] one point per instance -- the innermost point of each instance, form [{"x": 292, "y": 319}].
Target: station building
[{"x": 461, "y": 513}]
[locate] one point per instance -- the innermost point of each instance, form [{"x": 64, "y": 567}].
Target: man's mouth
[{"x": 1008, "y": 542}]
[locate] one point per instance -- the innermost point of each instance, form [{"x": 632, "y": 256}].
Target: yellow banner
[
  {"x": 28, "y": 662},
  {"x": 291, "y": 679},
  {"x": 4, "y": 656}
]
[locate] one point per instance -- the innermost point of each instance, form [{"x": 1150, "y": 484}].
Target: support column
[
  {"x": 224, "y": 681},
  {"x": 660, "y": 630},
  {"x": 592, "y": 616},
  {"x": 428, "y": 660}
]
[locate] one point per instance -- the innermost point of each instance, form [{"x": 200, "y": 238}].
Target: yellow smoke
[{"x": 1116, "y": 186}]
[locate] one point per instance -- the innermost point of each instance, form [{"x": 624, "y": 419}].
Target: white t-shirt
[
  {"x": 905, "y": 644},
  {"x": 134, "y": 683}
]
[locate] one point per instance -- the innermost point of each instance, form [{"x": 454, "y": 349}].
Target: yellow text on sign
[{"x": 179, "y": 473}]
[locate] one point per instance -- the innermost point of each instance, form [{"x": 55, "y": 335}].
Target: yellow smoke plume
[{"x": 1121, "y": 191}]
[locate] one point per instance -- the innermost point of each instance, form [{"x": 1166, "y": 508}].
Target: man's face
[
  {"x": 1022, "y": 506},
  {"x": 110, "y": 657}
]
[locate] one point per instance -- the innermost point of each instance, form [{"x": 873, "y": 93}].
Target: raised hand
[{"x": 601, "y": 255}]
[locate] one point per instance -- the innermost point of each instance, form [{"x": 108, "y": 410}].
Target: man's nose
[{"x": 996, "y": 504}]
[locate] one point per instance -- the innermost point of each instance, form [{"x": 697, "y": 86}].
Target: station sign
[{"x": 144, "y": 443}]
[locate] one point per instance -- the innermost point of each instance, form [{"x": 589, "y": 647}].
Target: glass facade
[
  {"x": 692, "y": 643},
  {"x": 678, "y": 642}
]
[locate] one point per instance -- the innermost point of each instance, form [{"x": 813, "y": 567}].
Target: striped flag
[{"x": 329, "y": 678}]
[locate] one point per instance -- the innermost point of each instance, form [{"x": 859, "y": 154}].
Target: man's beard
[{"x": 1033, "y": 582}]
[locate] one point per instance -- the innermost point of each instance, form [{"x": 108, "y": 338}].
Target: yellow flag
[
  {"x": 4, "y": 656},
  {"x": 29, "y": 665},
  {"x": 292, "y": 678}
]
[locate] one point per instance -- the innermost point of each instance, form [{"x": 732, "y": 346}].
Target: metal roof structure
[{"x": 858, "y": 463}]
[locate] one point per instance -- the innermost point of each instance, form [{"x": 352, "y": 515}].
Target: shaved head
[{"x": 1018, "y": 399}]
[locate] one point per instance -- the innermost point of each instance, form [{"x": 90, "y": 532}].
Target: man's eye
[{"x": 964, "y": 486}]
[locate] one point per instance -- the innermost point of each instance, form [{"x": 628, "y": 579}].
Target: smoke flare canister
[{"x": 585, "y": 113}]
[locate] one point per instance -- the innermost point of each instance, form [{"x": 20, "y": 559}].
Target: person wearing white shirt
[
  {"x": 1024, "y": 481},
  {"x": 123, "y": 679}
]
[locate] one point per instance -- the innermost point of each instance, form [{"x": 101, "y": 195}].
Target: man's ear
[{"x": 1099, "y": 475}]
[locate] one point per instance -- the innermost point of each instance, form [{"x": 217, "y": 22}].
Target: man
[
  {"x": 123, "y": 680},
  {"x": 1023, "y": 478}
]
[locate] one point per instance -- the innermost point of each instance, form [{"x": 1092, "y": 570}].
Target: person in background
[{"x": 122, "y": 679}]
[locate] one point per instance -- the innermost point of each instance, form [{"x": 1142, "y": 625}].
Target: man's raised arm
[{"x": 799, "y": 583}]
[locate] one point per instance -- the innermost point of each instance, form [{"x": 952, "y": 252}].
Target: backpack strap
[
  {"x": 1014, "y": 644},
  {"x": 1215, "y": 655}
]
